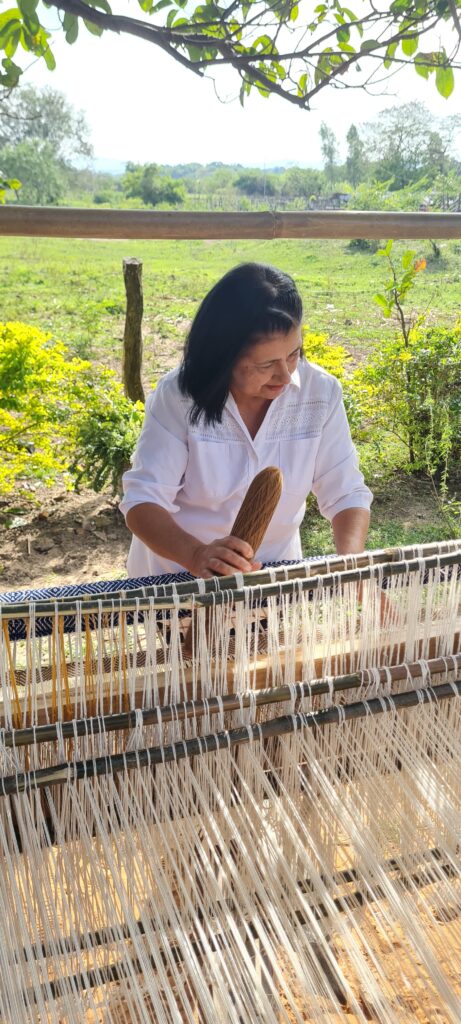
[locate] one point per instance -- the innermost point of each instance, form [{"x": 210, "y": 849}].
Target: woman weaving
[{"x": 243, "y": 398}]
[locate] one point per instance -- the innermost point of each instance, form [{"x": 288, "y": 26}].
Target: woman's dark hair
[{"x": 250, "y": 301}]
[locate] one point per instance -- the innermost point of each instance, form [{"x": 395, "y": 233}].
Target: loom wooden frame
[
  {"x": 126, "y": 601},
  {"x": 225, "y": 739},
  {"x": 165, "y": 713}
]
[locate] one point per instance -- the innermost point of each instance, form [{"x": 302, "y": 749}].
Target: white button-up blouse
[{"x": 200, "y": 473}]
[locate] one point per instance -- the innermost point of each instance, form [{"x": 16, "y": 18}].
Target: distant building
[{"x": 332, "y": 202}]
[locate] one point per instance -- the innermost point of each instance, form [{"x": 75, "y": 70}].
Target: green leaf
[
  {"x": 421, "y": 64},
  {"x": 389, "y": 55},
  {"x": 11, "y": 73},
  {"x": 381, "y": 300},
  {"x": 445, "y": 81},
  {"x": 368, "y": 45},
  {"x": 408, "y": 258},
  {"x": 28, "y": 7},
  {"x": 302, "y": 84},
  {"x": 343, "y": 35},
  {"x": 195, "y": 53},
  {"x": 279, "y": 70},
  {"x": 10, "y": 15},
  {"x": 263, "y": 44},
  {"x": 95, "y": 30},
  {"x": 29, "y": 13},
  {"x": 388, "y": 247},
  {"x": 49, "y": 59},
  {"x": 12, "y": 42},
  {"x": 350, "y": 14},
  {"x": 8, "y": 27},
  {"x": 70, "y": 26},
  {"x": 410, "y": 45}
]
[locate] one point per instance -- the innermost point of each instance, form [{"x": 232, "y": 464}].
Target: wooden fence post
[{"x": 132, "y": 338}]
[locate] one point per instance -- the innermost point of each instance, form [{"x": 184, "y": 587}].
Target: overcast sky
[{"x": 143, "y": 106}]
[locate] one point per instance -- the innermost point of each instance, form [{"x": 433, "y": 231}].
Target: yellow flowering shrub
[
  {"x": 45, "y": 397},
  {"x": 317, "y": 349}
]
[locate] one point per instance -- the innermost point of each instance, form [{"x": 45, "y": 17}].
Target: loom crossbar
[
  {"x": 73, "y": 607},
  {"x": 418, "y": 879},
  {"x": 165, "y": 713},
  {"x": 61, "y": 774}
]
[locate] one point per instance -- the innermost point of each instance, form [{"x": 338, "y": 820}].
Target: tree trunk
[{"x": 132, "y": 338}]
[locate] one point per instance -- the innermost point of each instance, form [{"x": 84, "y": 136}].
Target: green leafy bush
[
  {"x": 38, "y": 399},
  {"x": 318, "y": 349},
  {"x": 59, "y": 417},
  {"x": 106, "y": 437},
  {"x": 410, "y": 393}
]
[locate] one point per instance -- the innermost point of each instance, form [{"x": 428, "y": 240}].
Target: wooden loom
[{"x": 265, "y": 830}]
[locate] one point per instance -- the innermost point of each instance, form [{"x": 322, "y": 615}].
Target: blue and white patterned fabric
[
  {"x": 43, "y": 623},
  {"x": 102, "y": 587}
]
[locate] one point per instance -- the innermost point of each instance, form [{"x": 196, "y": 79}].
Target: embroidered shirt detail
[
  {"x": 227, "y": 430},
  {"x": 298, "y": 420}
]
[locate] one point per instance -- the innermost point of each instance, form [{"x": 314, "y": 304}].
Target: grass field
[{"x": 74, "y": 290}]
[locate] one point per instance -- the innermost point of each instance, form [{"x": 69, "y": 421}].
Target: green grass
[
  {"x": 74, "y": 289},
  {"x": 316, "y": 535}
]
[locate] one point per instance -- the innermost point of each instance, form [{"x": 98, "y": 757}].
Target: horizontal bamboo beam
[
  {"x": 127, "y": 603},
  {"x": 62, "y": 222},
  {"x": 71, "y": 771},
  {"x": 305, "y": 569},
  {"x": 95, "y": 726}
]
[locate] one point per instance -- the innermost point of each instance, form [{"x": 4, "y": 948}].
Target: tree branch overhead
[{"x": 279, "y": 47}]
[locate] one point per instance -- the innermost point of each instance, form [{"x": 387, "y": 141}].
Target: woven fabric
[{"x": 44, "y": 625}]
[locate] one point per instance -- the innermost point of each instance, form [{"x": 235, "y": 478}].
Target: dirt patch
[
  {"x": 408, "y": 500},
  {"x": 66, "y": 538},
  {"x": 75, "y": 538}
]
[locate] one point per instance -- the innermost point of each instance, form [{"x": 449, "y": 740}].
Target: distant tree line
[{"x": 405, "y": 158}]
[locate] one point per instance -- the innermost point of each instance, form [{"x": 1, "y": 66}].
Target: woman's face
[{"x": 265, "y": 369}]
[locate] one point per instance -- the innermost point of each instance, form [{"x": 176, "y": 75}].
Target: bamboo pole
[
  {"x": 127, "y": 602},
  {"x": 59, "y": 222},
  {"x": 228, "y": 702},
  {"x": 306, "y": 569},
  {"x": 95, "y": 767}
]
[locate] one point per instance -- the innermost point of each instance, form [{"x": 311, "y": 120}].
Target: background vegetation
[
  {"x": 405, "y": 159},
  {"x": 64, "y": 419}
]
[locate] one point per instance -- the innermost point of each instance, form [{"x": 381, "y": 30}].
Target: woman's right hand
[{"x": 222, "y": 557}]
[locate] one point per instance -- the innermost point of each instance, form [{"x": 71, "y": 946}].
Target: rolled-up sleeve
[
  {"x": 338, "y": 483},
  {"x": 161, "y": 455}
]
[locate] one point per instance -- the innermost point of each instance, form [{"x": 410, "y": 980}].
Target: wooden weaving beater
[{"x": 253, "y": 518}]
